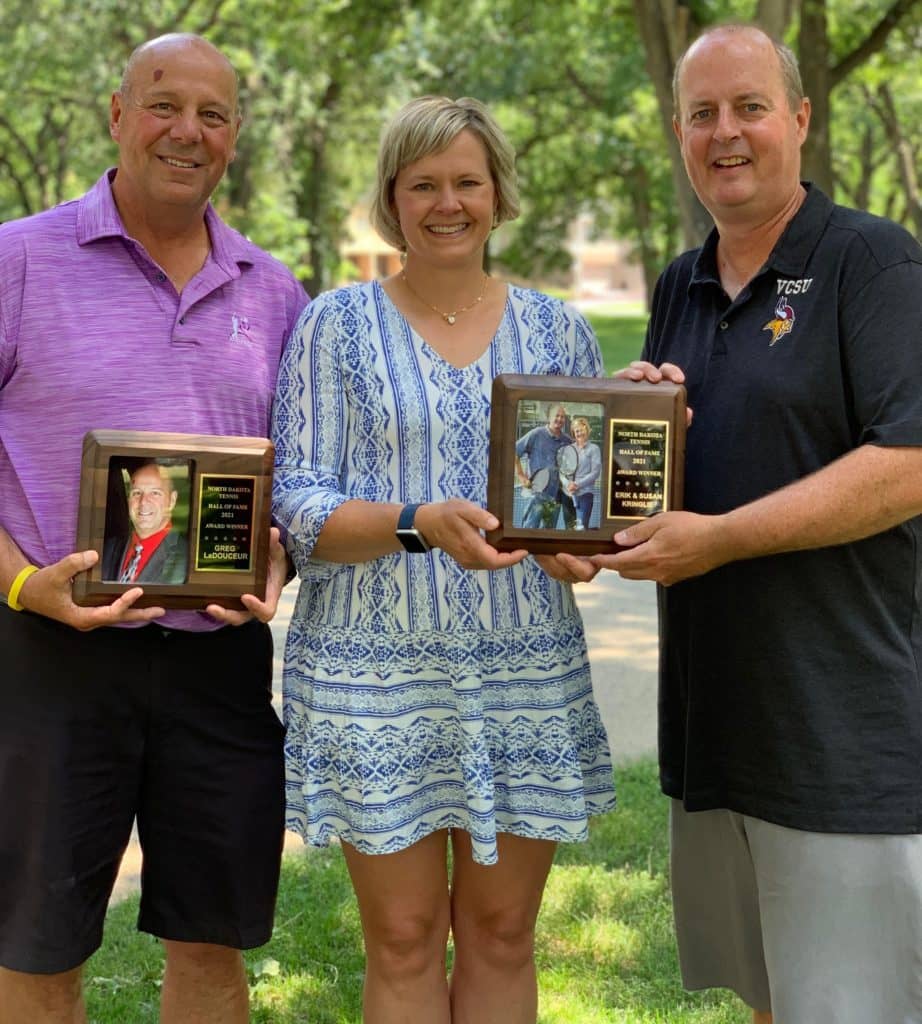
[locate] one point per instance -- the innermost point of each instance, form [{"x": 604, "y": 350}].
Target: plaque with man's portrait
[
  {"x": 183, "y": 516},
  {"x": 575, "y": 459}
]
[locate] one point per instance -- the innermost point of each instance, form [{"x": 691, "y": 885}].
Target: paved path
[{"x": 620, "y": 619}]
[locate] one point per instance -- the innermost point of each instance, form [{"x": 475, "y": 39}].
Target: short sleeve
[
  {"x": 11, "y": 277},
  {"x": 881, "y": 326},
  {"x": 296, "y": 300}
]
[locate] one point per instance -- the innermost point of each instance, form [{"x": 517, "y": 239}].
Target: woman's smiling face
[{"x": 445, "y": 203}]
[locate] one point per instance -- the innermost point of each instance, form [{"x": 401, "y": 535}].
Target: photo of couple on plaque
[{"x": 558, "y": 465}]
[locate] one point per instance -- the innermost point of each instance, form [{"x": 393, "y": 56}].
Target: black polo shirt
[{"x": 791, "y": 685}]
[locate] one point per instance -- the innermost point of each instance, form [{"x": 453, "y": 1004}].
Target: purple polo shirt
[{"x": 93, "y": 335}]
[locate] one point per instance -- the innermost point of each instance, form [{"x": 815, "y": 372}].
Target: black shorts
[{"x": 174, "y": 728}]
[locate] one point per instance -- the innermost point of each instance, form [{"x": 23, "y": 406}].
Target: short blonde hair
[
  {"x": 581, "y": 421},
  {"x": 429, "y": 125}
]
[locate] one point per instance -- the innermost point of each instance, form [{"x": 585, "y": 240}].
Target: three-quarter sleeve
[
  {"x": 587, "y": 357},
  {"x": 310, "y": 423}
]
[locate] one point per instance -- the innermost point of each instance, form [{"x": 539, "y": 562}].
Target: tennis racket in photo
[
  {"x": 568, "y": 461},
  {"x": 539, "y": 480}
]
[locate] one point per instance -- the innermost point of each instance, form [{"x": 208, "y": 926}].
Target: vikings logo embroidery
[{"x": 782, "y": 323}]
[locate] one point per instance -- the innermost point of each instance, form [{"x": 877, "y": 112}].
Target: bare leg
[
  {"x": 203, "y": 984},
  {"x": 403, "y": 902},
  {"x": 41, "y": 998},
  {"x": 493, "y": 914}
]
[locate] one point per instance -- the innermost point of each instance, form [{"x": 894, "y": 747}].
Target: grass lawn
[
  {"x": 620, "y": 337},
  {"x": 605, "y": 948}
]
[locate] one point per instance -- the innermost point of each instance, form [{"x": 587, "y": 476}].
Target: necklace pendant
[{"x": 451, "y": 318}]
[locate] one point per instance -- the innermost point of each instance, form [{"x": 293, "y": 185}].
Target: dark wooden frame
[
  {"x": 623, "y": 402},
  {"x": 210, "y": 456}
]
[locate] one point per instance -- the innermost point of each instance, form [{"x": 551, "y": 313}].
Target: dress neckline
[{"x": 434, "y": 353}]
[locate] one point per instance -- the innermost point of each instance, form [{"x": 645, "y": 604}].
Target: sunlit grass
[
  {"x": 605, "y": 947},
  {"x": 620, "y": 337}
]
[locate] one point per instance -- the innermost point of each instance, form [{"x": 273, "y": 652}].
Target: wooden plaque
[
  {"x": 213, "y": 494},
  {"x": 575, "y": 459}
]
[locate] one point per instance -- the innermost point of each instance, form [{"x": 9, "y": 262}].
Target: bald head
[
  {"x": 175, "y": 121},
  {"x": 141, "y": 66},
  {"x": 787, "y": 61}
]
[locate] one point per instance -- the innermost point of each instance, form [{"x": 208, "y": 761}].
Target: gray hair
[
  {"x": 429, "y": 125},
  {"x": 787, "y": 59}
]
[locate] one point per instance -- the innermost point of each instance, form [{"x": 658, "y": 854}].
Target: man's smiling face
[
  {"x": 175, "y": 124},
  {"x": 151, "y": 500},
  {"x": 740, "y": 137}
]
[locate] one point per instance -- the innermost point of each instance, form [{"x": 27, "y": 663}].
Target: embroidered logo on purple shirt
[{"x": 240, "y": 325}]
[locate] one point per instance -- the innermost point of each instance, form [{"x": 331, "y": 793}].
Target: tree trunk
[
  {"x": 239, "y": 178},
  {"x": 666, "y": 29},
  {"x": 813, "y": 47},
  {"x": 310, "y": 207},
  {"x": 239, "y": 175},
  {"x": 775, "y": 15},
  {"x": 314, "y": 189},
  {"x": 886, "y": 110}
]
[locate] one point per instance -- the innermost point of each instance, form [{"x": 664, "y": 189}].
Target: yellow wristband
[{"x": 12, "y": 598}]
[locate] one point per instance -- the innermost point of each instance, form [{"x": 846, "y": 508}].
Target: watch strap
[{"x": 407, "y": 515}]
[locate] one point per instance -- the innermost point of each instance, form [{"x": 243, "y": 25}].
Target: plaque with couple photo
[
  {"x": 575, "y": 459},
  {"x": 183, "y": 516}
]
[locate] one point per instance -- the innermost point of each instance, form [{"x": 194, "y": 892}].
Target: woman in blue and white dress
[{"x": 436, "y": 690}]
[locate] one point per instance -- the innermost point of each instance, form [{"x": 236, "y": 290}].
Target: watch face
[{"x": 413, "y": 541}]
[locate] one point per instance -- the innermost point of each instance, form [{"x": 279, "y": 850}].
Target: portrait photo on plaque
[
  {"x": 183, "y": 516},
  {"x": 147, "y": 520},
  {"x": 575, "y": 459}
]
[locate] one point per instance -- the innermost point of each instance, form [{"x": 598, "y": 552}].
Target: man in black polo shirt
[{"x": 791, "y": 629}]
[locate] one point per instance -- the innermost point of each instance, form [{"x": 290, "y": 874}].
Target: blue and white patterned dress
[{"x": 419, "y": 695}]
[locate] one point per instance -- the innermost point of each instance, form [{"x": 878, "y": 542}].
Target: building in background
[
  {"x": 366, "y": 250},
  {"x": 602, "y": 268}
]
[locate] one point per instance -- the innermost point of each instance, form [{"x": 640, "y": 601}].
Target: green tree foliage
[
  {"x": 582, "y": 87},
  {"x": 59, "y": 63},
  {"x": 835, "y": 40},
  {"x": 568, "y": 83},
  {"x": 875, "y": 113},
  {"x": 315, "y": 78}
]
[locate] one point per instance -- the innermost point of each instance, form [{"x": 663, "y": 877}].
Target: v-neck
[{"x": 430, "y": 349}]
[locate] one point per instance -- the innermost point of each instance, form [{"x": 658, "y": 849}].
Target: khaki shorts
[{"x": 816, "y": 928}]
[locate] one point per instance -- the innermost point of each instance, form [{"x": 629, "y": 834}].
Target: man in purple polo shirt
[{"x": 134, "y": 307}]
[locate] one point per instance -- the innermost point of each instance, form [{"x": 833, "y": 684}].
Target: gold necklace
[{"x": 449, "y": 318}]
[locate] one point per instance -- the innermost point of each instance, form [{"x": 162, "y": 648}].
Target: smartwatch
[{"x": 407, "y": 533}]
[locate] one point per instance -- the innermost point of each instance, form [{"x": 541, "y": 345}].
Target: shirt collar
[
  {"x": 153, "y": 541},
  {"x": 793, "y": 249},
  {"x": 98, "y": 218},
  {"x": 802, "y": 235},
  {"x": 97, "y": 214}
]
